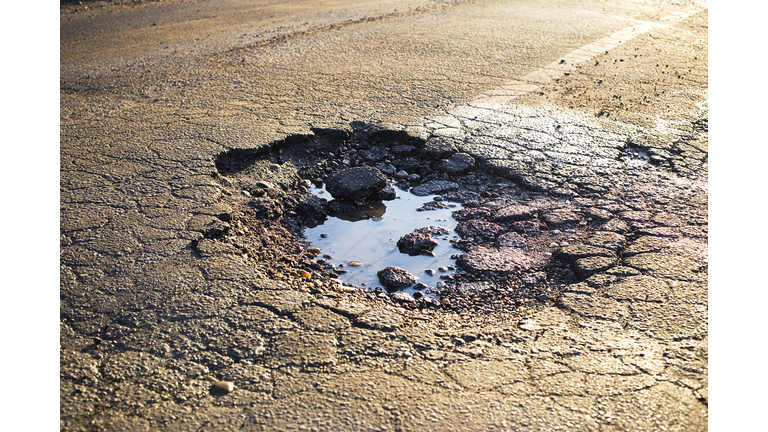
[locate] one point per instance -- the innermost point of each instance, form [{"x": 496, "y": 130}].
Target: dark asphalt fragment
[
  {"x": 416, "y": 243},
  {"x": 435, "y": 187},
  {"x": 395, "y": 278},
  {"x": 457, "y": 164},
  {"x": 356, "y": 183}
]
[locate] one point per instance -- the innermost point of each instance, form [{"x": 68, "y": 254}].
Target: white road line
[{"x": 569, "y": 62}]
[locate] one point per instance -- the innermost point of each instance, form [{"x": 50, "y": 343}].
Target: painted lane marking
[{"x": 569, "y": 62}]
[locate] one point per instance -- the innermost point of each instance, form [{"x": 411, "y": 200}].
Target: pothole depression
[{"x": 392, "y": 216}]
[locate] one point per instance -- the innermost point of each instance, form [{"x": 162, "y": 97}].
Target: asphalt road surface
[{"x": 188, "y": 303}]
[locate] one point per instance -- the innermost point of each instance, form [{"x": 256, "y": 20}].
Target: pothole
[{"x": 327, "y": 211}]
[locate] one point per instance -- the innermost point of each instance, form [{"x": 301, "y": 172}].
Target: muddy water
[{"x": 369, "y": 235}]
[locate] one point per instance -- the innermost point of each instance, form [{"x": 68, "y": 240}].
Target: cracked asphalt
[{"x": 544, "y": 96}]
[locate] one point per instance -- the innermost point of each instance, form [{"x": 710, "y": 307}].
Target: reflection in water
[
  {"x": 372, "y": 240},
  {"x": 371, "y": 210}
]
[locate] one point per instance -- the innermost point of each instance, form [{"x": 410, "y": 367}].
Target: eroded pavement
[{"x": 584, "y": 309}]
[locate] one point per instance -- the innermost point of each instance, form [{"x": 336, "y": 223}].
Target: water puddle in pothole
[{"x": 369, "y": 234}]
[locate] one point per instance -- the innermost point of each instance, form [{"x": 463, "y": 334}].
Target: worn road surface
[{"x": 594, "y": 111}]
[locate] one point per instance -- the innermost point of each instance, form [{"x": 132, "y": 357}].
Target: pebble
[
  {"x": 443, "y": 269},
  {"x": 324, "y": 235},
  {"x": 223, "y": 387},
  {"x": 305, "y": 274},
  {"x": 553, "y": 244},
  {"x": 429, "y": 272},
  {"x": 355, "y": 263},
  {"x": 400, "y": 175},
  {"x": 395, "y": 277},
  {"x": 314, "y": 250},
  {"x": 564, "y": 244}
]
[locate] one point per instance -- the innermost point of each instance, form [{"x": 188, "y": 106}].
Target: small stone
[
  {"x": 400, "y": 175},
  {"x": 429, "y": 272},
  {"x": 305, "y": 274},
  {"x": 324, "y": 235},
  {"x": 314, "y": 250},
  {"x": 443, "y": 269},
  {"x": 415, "y": 243},
  {"x": 564, "y": 244},
  {"x": 355, "y": 263},
  {"x": 386, "y": 168},
  {"x": 222, "y": 387},
  {"x": 395, "y": 278}
]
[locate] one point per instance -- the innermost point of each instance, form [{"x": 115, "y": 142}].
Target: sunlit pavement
[{"x": 597, "y": 111}]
